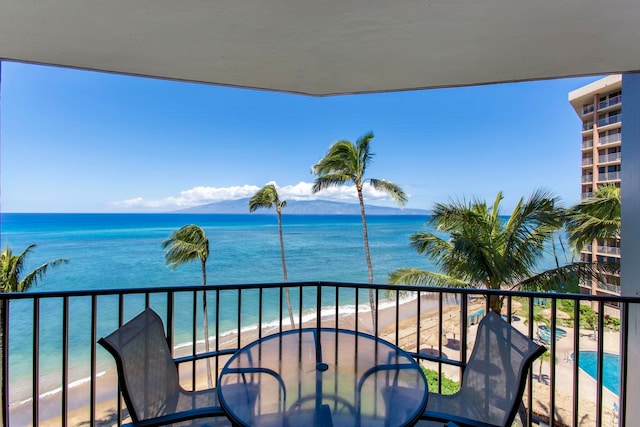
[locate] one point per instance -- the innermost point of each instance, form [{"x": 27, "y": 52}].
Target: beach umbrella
[
  {"x": 515, "y": 306},
  {"x": 559, "y": 314}
]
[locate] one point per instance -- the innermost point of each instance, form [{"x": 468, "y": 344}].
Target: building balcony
[
  {"x": 587, "y": 144},
  {"x": 586, "y": 126},
  {"x": 58, "y": 375},
  {"x": 586, "y": 194},
  {"x": 609, "y": 120},
  {"x": 610, "y": 139},
  {"x": 608, "y": 250},
  {"x": 609, "y": 158},
  {"x": 609, "y": 288},
  {"x": 587, "y": 109},
  {"x": 586, "y": 179},
  {"x": 609, "y": 176},
  {"x": 587, "y": 161},
  {"x": 616, "y": 100}
]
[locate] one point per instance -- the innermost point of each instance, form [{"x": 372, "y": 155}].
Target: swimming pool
[{"x": 610, "y": 368}]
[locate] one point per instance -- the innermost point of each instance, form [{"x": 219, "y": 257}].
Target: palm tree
[
  {"x": 267, "y": 197},
  {"x": 346, "y": 163},
  {"x": 595, "y": 218},
  {"x": 485, "y": 251},
  {"x": 13, "y": 280},
  {"x": 187, "y": 244}
]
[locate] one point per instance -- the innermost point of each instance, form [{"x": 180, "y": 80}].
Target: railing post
[{"x": 4, "y": 353}]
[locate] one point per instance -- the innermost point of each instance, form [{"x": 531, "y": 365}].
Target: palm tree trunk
[
  {"x": 284, "y": 269},
  {"x": 205, "y": 321},
  {"x": 367, "y": 254}
]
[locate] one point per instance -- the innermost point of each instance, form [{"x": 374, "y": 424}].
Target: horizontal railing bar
[{"x": 347, "y": 285}]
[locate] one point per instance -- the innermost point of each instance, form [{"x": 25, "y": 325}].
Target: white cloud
[{"x": 201, "y": 195}]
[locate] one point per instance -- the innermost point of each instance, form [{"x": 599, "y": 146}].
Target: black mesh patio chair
[
  {"x": 493, "y": 381},
  {"x": 148, "y": 376}
]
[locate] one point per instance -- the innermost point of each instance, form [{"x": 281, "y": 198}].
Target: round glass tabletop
[{"x": 326, "y": 377}]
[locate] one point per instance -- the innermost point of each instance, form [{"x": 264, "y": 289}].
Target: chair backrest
[
  {"x": 495, "y": 376},
  {"x": 146, "y": 371}
]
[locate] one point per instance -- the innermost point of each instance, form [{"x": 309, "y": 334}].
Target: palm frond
[
  {"x": 266, "y": 197},
  {"x": 391, "y": 189},
  {"x": 417, "y": 277},
  {"x": 596, "y": 218},
  {"x": 341, "y": 159},
  {"x": 566, "y": 278},
  {"x": 330, "y": 180},
  {"x": 187, "y": 244},
  {"x": 32, "y": 278}
]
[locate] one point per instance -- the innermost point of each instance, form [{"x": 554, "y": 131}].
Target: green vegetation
[
  {"x": 346, "y": 163},
  {"x": 596, "y": 218},
  {"x": 12, "y": 279},
  {"x": 482, "y": 249},
  {"x": 267, "y": 197},
  {"x": 448, "y": 385},
  {"x": 185, "y": 245},
  {"x": 11, "y": 270}
]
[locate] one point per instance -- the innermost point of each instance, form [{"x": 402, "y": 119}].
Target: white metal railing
[
  {"x": 587, "y": 161},
  {"x": 609, "y": 287},
  {"x": 587, "y": 126},
  {"x": 609, "y": 120},
  {"x": 587, "y": 144},
  {"x": 587, "y": 109},
  {"x": 611, "y": 157},
  {"x": 588, "y": 248},
  {"x": 610, "y": 139},
  {"x": 586, "y": 194},
  {"x": 587, "y": 178},
  {"x": 609, "y": 176},
  {"x": 608, "y": 250},
  {"x": 609, "y": 102}
]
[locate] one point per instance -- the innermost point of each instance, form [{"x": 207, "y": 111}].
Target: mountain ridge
[{"x": 301, "y": 207}]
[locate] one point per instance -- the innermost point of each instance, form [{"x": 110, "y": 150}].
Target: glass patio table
[{"x": 322, "y": 377}]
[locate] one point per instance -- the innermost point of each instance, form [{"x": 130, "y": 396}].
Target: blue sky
[{"x": 80, "y": 141}]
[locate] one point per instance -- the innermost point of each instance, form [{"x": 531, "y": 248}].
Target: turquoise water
[
  {"x": 124, "y": 251},
  {"x": 610, "y": 367}
]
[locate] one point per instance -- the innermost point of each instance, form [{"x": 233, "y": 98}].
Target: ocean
[{"x": 122, "y": 251}]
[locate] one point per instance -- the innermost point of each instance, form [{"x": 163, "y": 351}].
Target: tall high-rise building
[{"x": 599, "y": 106}]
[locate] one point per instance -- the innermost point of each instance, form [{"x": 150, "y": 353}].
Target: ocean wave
[{"x": 57, "y": 390}]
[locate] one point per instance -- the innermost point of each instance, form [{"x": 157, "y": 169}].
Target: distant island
[{"x": 300, "y": 207}]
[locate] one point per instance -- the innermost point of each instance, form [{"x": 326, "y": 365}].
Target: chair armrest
[
  {"x": 214, "y": 411},
  {"x": 437, "y": 359},
  {"x": 258, "y": 370},
  {"x": 455, "y": 420},
  {"x": 201, "y": 356}
]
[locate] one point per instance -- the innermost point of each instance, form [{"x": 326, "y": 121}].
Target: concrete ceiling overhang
[{"x": 322, "y": 47}]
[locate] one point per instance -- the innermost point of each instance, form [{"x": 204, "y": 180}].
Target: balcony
[
  {"x": 609, "y": 176},
  {"x": 609, "y": 120},
  {"x": 586, "y": 179},
  {"x": 57, "y": 375},
  {"x": 587, "y": 126},
  {"x": 587, "y": 144},
  {"x": 586, "y": 194},
  {"x": 608, "y": 250},
  {"x": 610, "y": 139},
  {"x": 587, "y": 161},
  {"x": 609, "y": 102},
  {"x": 587, "y": 109},
  {"x": 611, "y": 157}
]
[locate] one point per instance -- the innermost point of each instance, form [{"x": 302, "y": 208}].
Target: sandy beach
[{"x": 406, "y": 331}]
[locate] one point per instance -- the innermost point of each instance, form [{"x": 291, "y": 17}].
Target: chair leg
[{"x": 522, "y": 411}]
